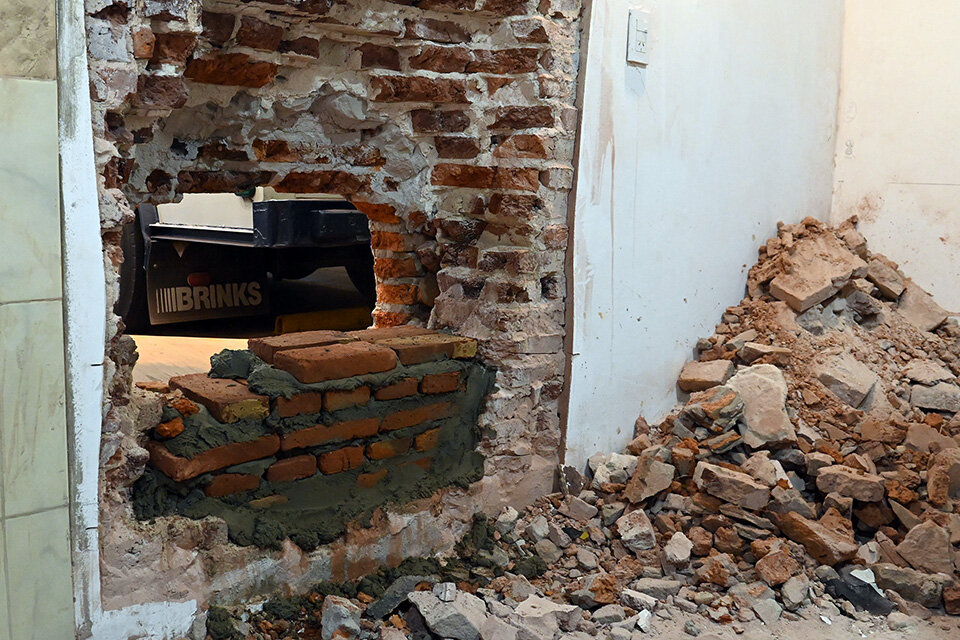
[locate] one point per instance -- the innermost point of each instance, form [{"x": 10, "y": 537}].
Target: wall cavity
[{"x": 451, "y": 124}]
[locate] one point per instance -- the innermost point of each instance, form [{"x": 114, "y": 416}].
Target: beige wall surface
[
  {"x": 36, "y": 593},
  {"x": 898, "y": 143}
]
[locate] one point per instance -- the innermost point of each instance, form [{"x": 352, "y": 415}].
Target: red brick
[
  {"x": 457, "y": 147},
  {"x": 220, "y": 150},
  {"x": 336, "y": 400},
  {"x": 440, "y": 382},
  {"x": 375, "y": 335},
  {"x": 508, "y": 205},
  {"x": 217, "y": 27},
  {"x": 340, "y": 182},
  {"x": 267, "y": 348},
  {"x": 180, "y": 469},
  {"x": 384, "y": 213},
  {"x": 517, "y": 178},
  {"x": 951, "y": 599},
  {"x": 433, "y": 121},
  {"x": 419, "y": 415},
  {"x": 387, "y": 268},
  {"x": 521, "y": 145},
  {"x": 397, "y": 293},
  {"x": 170, "y": 429},
  {"x": 320, "y": 434},
  {"x": 293, "y": 468},
  {"x": 331, "y": 362},
  {"x": 226, "y": 400},
  {"x": 388, "y": 448},
  {"x": 173, "y": 47},
  {"x": 372, "y": 479},
  {"x": 522, "y": 117},
  {"x": 390, "y": 241},
  {"x": 231, "y": 69},
  {"x": 229, "y": 483},
  {"x": 427, "y": 440},
  {"x": 402, "y": 389},
  {"x": 163, "y": 92},
  {"x": 299, "y": 404},
  {"x": 303, "y": 46},
  {"x": 464, "y": 175},
  {"x": 341, "y": 460},
  {"x": 379, "y": 57},
  {"x": 446, "y": 5},
  {"x": 143, "y": 43},
  {"x": 460, "y": 230},
  {"x": 419, "y": 89},
  {"x": 436, "y": 346},
  {"x": 257, "y": 34},
  {"x": 184, "y": 406},
  {"x": 274, "y": 151},
  {"x": 442, "y": 59},
  {"x": 435, "y": 30},
  {"x": 221, "y": 181},
  {"x": 383, "y": 318},
  {"x": 505, "y": 7},
  {"x": 504, "y": 61}
]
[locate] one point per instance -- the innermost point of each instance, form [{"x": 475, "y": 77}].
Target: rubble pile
[{"x": 812, "y": 473}]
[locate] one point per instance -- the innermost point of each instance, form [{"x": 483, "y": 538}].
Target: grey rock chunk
[
  {"x": 847, "y": 378},
  {"x": 609, "y": 614},
  {"x": 341, "y": 618},
  {"x": 926, "y": 372},
  {"x": 943, "y": 396},
  {"x": 394, "y": 596},
  {"x": 768, "y": 610},
  {"x": 638, "y": 600},
  {"x": 459, "y": 620},
  {"x": 916, "y": 586},
  {"x": 927, "y": 548},
  {"x": 731, "y": 486},
  {"x": 887, "y": 280},
  {"x": 855, "y": 484},
  {"x": 765, "y": 422},
  {"x": 636, "y": 531},
  {"x": 658, "y": 588},
  {"x": 918, "y": 307}
]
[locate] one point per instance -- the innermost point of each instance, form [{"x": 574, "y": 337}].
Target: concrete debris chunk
[
  {"x": 887, "y": 280},
  {"x": 638, "y": 600},
  {"x": 752, "y": 351},
  {"x": 918, "y": 307},
  {"x": 846, "y": 481},
  {"x": 765, "y": 422},
  {"x": 847, "y": 378},
  {"x": 916, "y": 586},
  {"x": 613, "y": 468},
  {"x": 922, "y": 437},
  {"x": 460, "y": 619},
  {"x": 943, "y": 477},
  {"x": 943, "y": 396},
  {"x": 677, "y": 550},
  {"x": 636, "y": 531},
  {"x": 927, "y": 548},
  {"x": 650, "y": 478},
  {"x": 659, "y": 588},
  {"x": 819, "y": 267},
  {"x": 731, "y": 486},
  {"x": 341, "y": 618},
  {"x": 927, "y": 372},
  {"x": 698, "y": 376},
  {"x": 829, "y": 540}
]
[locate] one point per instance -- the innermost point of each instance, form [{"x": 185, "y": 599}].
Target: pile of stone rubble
[{"x": 812, "y": 473}]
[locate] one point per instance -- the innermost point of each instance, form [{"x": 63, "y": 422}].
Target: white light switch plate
[{"x": 638, "y": 37}]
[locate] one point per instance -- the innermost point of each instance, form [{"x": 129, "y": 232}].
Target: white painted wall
[
  {"x": 685, "y": 168},
  {"x": 898, "y": 138}
]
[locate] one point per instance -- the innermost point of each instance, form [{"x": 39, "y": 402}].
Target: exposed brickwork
[{"x": 470, "y": 187}]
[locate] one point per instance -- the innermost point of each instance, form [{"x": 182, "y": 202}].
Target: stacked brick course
[{"x": 361, "y": 418}]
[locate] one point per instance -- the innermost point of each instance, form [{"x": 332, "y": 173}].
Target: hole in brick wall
[{"x": 450, "y": 128}]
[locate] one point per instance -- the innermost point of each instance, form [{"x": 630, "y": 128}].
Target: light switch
[{"x": 638, "y": 37}]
